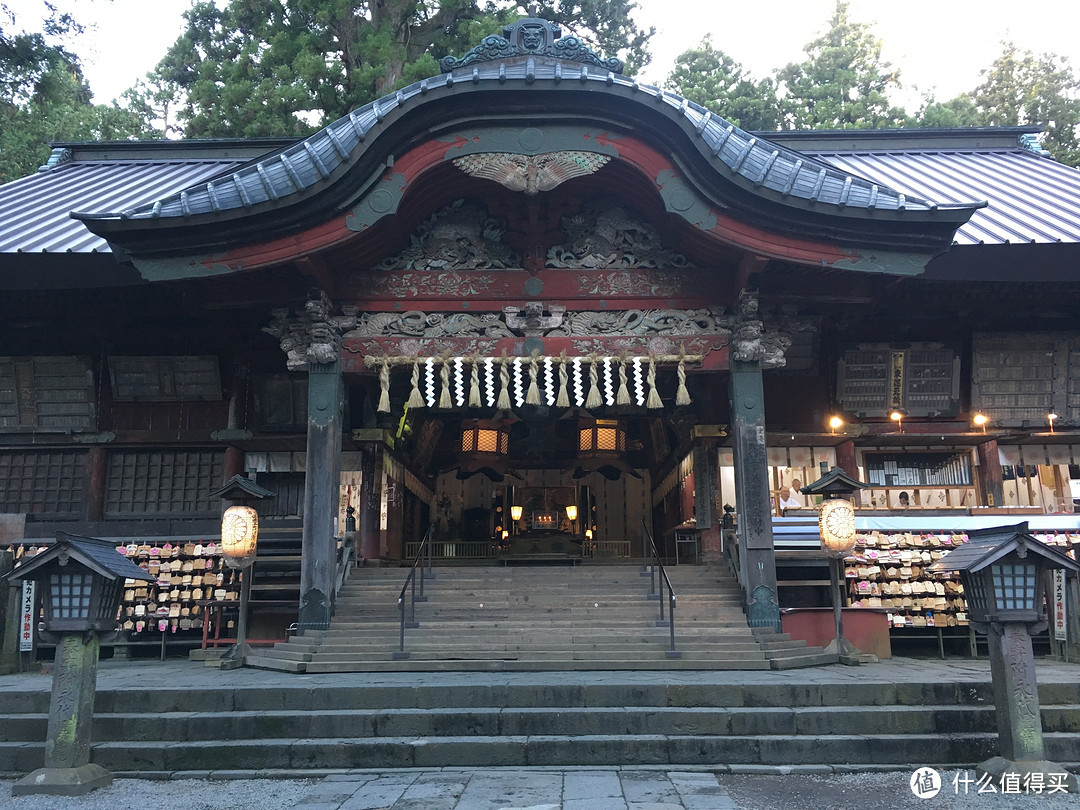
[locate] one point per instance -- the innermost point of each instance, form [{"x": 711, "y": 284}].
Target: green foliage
[
  {"x": 44, "y": 97},
  {"x": 843, "y": 84},
  {"x": 1022, "y": 88},
  {"x": 958, "y": 112},
  {"x": 285, "y": 67},
  {"x": 718, "y": 83}
]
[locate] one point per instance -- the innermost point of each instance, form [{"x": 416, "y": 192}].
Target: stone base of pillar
[
  {"x": 1054, "y": 777},
  {"x": 850, "y": 655},
  {"x": 63, "y": 781}
]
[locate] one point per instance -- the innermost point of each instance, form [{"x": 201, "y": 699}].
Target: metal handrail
[
  {"x": 423, "y": 556},
  {"x": 649, "y": 568}
]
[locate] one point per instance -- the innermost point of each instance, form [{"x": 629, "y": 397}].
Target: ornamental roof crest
[{"x": 531, "y": 36}]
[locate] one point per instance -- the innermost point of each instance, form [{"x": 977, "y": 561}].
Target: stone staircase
[
  {"x": 273, "y": 724},
  {"x": 539, "y": 618}
]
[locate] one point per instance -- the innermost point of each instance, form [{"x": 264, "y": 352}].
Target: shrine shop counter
[{"x": 887, "y": 573}]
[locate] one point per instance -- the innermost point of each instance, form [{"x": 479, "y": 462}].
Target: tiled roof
[
  {"x": 301, "y": 170},
  {"x": 1032, "y": 199}
]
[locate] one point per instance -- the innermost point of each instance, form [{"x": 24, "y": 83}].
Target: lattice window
[
  {"x": 163, "y": 481},
  {"x": 1014, "y": 586},
  {"x": 1019, "y": 378},
  {"x": 43, "y": 482},
  {"x": 46, "y": 394},
  {"x": 281, "y": 402},
  {"x": 70, "y": 594},
  {"x": 921, "y": 379},
  {"x": 165, "y": 379}
]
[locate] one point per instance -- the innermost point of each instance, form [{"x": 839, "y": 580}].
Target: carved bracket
[
  {"x": 313, "y": 336},
  {"x": 749, "y": 340},
  {"x": 534, "y": 323}
]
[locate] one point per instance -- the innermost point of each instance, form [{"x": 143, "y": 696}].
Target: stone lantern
[
  {"x": 1004, "y": 572},
  {"x": 81, "y": 581}
]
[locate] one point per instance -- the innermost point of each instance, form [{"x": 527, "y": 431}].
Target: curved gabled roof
[{"x": 724, "y": 167}]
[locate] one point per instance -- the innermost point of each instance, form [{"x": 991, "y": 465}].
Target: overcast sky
[{"x": 940, "y": 46}]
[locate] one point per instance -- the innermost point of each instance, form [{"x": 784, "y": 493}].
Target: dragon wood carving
[
  {"x": 667, "y": 322},
  {"x": 604, "y": 235},
  {"x": 460, "y": 236}
]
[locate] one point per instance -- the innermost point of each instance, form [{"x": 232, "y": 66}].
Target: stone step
[
  {"x": 476, "y": 617},
  {"x": 794, "y": 693},
  {"x": 349, "y": 752},
  {"x": 489, "y": 721},
  {"x": 529, "y": 665}
]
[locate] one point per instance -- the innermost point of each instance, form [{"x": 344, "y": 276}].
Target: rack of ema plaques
[
  {"x": 888, "y": 570},
  {"x": 191, "y": 580}
]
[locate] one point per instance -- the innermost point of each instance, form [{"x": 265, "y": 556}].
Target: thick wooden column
[
  {"x": 317, "y": 569},
  {"x": 706, "y": 488},
  {"x": 370, "y": 542},
  {"x": 991, "y": 485},
  {"x": 845, "y": 459},
  {"x": 96, "y": 472},
  {"x": 757, "y": 557}
]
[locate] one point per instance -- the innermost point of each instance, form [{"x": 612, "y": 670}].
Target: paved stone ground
[
  {"x": 634, "y": 788},
  {"x": 603, "y": 788}
]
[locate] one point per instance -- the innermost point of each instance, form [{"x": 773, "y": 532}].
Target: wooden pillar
[
  {"x": 706, "y": 489},
  {"x": 757, "y": 557},
  {"x": 234, "y": 461},
  {"x": 234, "y": 456},
  {"x": 991, "y": 485},
  {"x": 94, "y": 499},
  {"x": 370, "y": 543},
  {"x": 845, "y": 459},
  {"x": 318, "y": 567}
]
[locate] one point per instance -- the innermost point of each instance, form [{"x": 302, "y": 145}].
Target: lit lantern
[
  {"x": 571, "y": 512},
  {"x": 836, "y": 523},
  {"x": 898, "y": 417},
  {"x": 239, "y": 535},
  {"x": 515, "y": 512}
]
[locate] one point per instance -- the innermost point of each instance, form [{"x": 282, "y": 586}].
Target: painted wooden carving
[
  {"x": 605, "y": 235},
  {"x": 531, "y": 173}
]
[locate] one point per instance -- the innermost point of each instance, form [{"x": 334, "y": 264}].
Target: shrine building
[{"x": 527, "y": 284}]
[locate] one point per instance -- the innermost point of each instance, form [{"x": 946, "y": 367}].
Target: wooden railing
[
  {"x": 651, "y": 565},
  {"x": 461, "y": 550},
  {"x": 598, "y": 549}
]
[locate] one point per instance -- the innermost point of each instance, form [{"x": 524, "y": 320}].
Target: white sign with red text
[
  {"x": 1060, "y": 633},
  {"x": 27, "y": 617}
]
